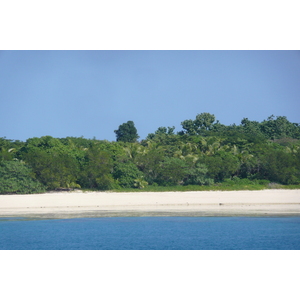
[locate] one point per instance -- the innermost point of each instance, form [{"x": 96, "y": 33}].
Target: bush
[
  {"x": 236, "y": 181},
  {"x": 16, "y": 178}
]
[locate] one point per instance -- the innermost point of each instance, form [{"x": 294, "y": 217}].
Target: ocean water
[{"x": 151, "y": 233}]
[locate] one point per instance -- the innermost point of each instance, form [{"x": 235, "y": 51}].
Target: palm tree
[
  {"x": 133, "y": 150},
  {"x": 140, "y": 182},
  {"x": 292, "y": 149}
]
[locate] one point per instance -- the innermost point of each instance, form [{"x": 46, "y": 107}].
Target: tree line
[{"x": 204, "y": 152}]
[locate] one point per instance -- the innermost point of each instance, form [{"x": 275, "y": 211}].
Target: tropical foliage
[
  {"x": 204, "y": 153},
  {"x": 16, "y": 178}
]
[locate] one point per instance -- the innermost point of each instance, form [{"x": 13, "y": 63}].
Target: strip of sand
[{"x": 105, "y": 204}]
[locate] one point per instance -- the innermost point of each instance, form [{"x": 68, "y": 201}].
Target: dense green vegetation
[
  {"x": 16, "y": 178},
  {"x": 204, "y": 155}
]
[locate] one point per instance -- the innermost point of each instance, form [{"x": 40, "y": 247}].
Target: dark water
[{"x": 152, "y": 233}]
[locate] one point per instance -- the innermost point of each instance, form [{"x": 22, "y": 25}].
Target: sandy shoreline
[{"x": 107, "y": 204}]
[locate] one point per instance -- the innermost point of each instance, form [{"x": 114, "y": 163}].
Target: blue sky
[{"x": 90, "y": 93}]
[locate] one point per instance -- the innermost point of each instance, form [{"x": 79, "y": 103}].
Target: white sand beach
[{"x": 105, "y": 204}]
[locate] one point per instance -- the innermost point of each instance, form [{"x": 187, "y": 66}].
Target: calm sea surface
[{"x": 152, "y": 233}]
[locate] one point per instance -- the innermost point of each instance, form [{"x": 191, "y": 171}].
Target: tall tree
[
  {"x": 205, "y": 121},
  {"x": 200, "y": 125},
  {"x": 127, "y": 133}
]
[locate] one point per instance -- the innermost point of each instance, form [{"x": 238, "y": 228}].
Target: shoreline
[{"x": 78, "y": 204}]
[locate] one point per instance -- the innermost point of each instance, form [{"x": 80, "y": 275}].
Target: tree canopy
[
  {"x": 127, "y": 133},
  {"x": 205, "y": 152}
]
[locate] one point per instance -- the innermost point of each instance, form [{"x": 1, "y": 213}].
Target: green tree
[
  {"x": 8, "y": 149},
  {"x": 189, "y": 127},
  {"x": 172, "y": 171},
  {"x": 17, "y": 178},
  {"x": 55, "y": 164},
  {"x": 202, "y": 124},
  {"x": 54, "y": 169},
  {"x": 45, "y": 142},
  {"x": 220, "y": 166},
  {"x": 96, "y": 172},
  {"x": 205, "y": 121},
  {"x": 133, "y": 151},
  {"x": 161, "y": 134},
  {"x": 126, "y": 174},
  {"x": 251, "y": 128},
  {"x": 197, "y": 174},
  {"x": 149, "y": 162},
  {"x": 218, "y": 128},
  {"x": 279, "y": 127},
  {"x": 281, "y": 167},
  {"x": 127, "y": 133}
]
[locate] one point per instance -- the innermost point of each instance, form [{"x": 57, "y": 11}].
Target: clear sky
[{"x": 90, "y": 93}]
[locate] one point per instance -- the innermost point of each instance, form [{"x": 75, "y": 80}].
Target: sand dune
[{"x": 101, "y": 204}]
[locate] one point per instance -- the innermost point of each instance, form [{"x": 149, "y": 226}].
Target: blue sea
[{"x": 151, "y": 233}]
